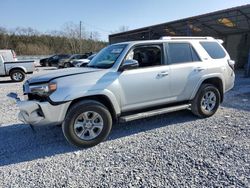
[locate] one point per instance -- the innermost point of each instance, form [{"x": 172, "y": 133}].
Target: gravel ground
[{"x": 177, "y": 150}]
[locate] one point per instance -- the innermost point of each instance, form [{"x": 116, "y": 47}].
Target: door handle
[
  {"x": 162, "y": 74},
  {"x": 199, "y": 69}
]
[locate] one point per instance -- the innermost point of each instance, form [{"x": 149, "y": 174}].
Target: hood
[
  {"x": 84, "y": 60},
  {"x": 47, "y": 77},
  {"x": 81, "y": 61},
  {"x": 44, "y": 59}
]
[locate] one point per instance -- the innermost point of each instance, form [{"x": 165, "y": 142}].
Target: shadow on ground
[
  {"x": 239, "y": 96},
  {"x": 239, "y": 101},
  {"x": 6, "y": 81},
  {"x": 19, "y": 143}
]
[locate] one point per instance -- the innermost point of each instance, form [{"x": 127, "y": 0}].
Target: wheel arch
[
  {"x": 103, "y": 99},
  {"x": 216, "y": 81},
  {"x": 17, "y": 68}
]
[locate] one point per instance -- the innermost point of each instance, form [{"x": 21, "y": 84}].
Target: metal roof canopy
[{"x": 217, "y": 24}]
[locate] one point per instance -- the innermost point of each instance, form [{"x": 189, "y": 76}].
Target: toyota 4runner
[{"x": 128, "y": 81}]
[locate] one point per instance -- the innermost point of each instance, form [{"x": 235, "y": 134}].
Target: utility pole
[{"x": 80, "y": 37}]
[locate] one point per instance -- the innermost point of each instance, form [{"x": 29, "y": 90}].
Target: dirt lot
[{"x": 176, "y": 149}]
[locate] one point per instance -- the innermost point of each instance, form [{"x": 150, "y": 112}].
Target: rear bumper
[{"x": 41, "y": 113}]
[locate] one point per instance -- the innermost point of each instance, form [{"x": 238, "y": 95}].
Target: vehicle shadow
[
  {"x": 239, "y": 99},
  {"x": 7, "y": 81},
  {"x": 19, "y": 143},
  {"x": 239, "y": 96}
]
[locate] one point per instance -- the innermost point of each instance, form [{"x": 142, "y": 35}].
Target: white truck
[
  {"x": 128, "y": 81},
  {"x": 10, "y": 66}
]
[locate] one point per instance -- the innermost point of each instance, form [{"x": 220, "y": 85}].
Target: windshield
[
  {"x": 107, "y": 57},
  {"x": 73, "y": 57}
]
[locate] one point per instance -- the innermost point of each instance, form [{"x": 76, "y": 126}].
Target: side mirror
[{"x": 129, "y": 64}]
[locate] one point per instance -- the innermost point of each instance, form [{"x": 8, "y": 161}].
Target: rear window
[{"x": 213, "y": 49}]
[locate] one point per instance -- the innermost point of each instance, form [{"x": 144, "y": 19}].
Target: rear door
[{"x": 186, "y": 69}]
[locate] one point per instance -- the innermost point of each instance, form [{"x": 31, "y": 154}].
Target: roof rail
[
  {"x": 220, "y": 41},
  {"x": 179, "y": 38}
]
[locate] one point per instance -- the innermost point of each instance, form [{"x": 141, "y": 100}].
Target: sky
[{"x": 103, "y": 16}]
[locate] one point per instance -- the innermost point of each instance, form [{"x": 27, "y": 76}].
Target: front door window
[{"x": 147, "y": 56}]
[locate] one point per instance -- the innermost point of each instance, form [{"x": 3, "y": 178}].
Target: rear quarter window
[{"x": 214, "y": 50}]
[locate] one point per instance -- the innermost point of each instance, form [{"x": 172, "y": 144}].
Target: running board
[{"x": 153, "y": 113}]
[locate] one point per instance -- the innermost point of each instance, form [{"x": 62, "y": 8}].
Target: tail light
[{"x": 231, "y": 63}]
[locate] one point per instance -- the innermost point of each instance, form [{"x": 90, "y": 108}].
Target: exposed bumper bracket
[{"x": 38, "y": 113}]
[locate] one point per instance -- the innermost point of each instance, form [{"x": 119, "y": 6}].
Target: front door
[{"x": 149, "y": 84}]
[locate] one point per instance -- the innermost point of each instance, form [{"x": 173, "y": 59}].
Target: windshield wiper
[{"x": 98, "y": 67}]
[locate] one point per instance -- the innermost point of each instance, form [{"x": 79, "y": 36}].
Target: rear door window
[
  {"x": 214, "y": 50},
  {"x": 181, "y": 53}
]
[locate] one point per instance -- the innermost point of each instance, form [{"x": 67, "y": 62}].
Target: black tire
[
  {"x": 67, "y": 65},
  {"x": 46, "y": 64},
  {"x": 17, "y": 75},
  {"x": 201, "y": 108},
  {"x": 68, "y": 126}
]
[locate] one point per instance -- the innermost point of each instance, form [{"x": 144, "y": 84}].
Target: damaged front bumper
[{"x": 40, "y": 113}]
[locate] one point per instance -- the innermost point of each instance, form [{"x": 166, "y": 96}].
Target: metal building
[{"x": 232, "y": 25}]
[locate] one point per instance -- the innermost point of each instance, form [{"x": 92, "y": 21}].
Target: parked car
[
  {"x": 82, "y": 62},
  {"x": 128, "y": 81},
  {"x": 8, "y": 55},
  {"x": 53, "y": 60},
  {"x": 15, "y": 69},
  {"x": 65, "y": 63},
  {"x": 44, "y": 62}
]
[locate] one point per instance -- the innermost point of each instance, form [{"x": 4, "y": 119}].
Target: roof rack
[{"x": 179, "y": 38}]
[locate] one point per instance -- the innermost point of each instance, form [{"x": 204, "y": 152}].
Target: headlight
[{"x": 43, "y": 89}]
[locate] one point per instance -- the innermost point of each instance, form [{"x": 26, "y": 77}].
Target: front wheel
[
  {"x": 206, "y": 101},
  {"x": 46, "y": 64},
  {"x": 67, "y": 65},
  {"x": 17, "y": 75},
  {"x": 87, "y": 123}
]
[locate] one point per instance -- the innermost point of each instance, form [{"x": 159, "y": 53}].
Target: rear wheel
[
  {"x": 87, "y": 124},
  {"x": 206, "y": 101},
  {"x": 17, "y": 75}
]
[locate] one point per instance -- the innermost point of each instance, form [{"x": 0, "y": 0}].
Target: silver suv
[{"x": 128, "y": 81}]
